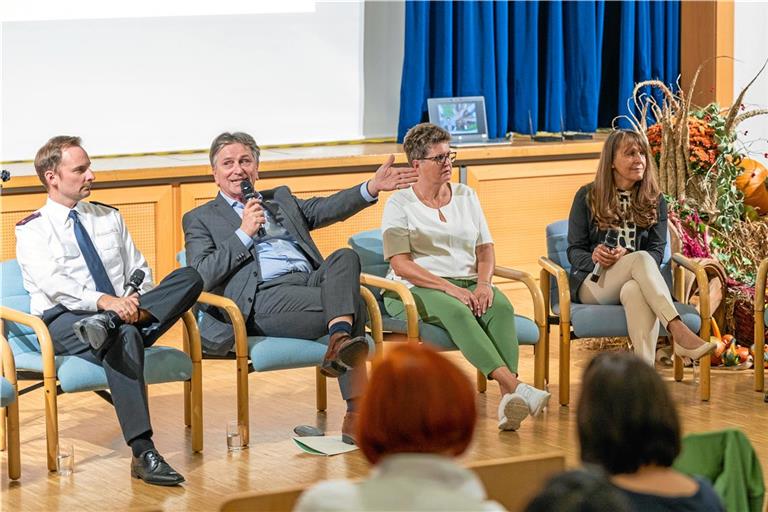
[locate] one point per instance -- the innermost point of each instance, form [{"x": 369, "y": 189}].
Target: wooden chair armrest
[
  {"x": 194, "y": 345},
  {"x": 41, "y": 331},
  {"x": 411, "y": 314},
  {"x": 539, "y": 312},
  {"x": 702, "y": 281},
  {"x": 374, "y": 316},
  {"x": 7, "y": 364},
  {"x": 563, "y": 289},
  {"x": 235, "y": 317}
]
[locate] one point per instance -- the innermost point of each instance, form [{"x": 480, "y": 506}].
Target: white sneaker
[
  {"x": 513, "y": 409},
  {"x": 536, "y": 399}
]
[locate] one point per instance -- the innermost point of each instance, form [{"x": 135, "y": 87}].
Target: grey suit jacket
[{"x": 230, "y": 269}]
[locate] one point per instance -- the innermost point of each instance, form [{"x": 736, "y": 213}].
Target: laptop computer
[{"x": 464, "y": 118}]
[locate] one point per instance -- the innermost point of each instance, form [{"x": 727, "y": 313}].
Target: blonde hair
[{"x": 602, "y": 198}]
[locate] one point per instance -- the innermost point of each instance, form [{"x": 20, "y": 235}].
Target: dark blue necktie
[{"x": 92, "y": 259}]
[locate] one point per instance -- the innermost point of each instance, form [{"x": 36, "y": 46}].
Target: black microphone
[
  {"x": 248, "y": 194},
  {"x": 611, "y": 241},
  {"x": 134, "y": 282}
]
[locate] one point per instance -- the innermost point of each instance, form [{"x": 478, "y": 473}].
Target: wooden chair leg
[
  {"x": 3, "y": 433},
  {"x": 704, "y": 375},
  {"x": 565, "y": 364},
  {"x": 677, "y": 362},
  {"x": 539, "y": 356},
  {"x": 759, "y": 350},
  {"x": 51, "y": 422},
  {"x": 321, "y": 390},
  {"x": 195, "y": 398},
  {"x": 242, "y": 397},
  {"x": 14, "y": 446},
  {"x": 187, "y": 403},
  {"x": 482, "y": 382}
]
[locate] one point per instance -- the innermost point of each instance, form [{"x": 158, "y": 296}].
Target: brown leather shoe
[
  {"x": 348, "y": 428},
  {"x": 343, "y": 352}
]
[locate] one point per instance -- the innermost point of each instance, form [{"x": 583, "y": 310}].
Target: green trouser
[{"x": 488, "y": 342}]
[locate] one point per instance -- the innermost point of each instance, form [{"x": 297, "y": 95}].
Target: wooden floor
[{"x": 280, "y": 400}]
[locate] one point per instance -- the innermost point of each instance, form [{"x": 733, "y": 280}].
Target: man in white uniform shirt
[{"x": 76, "y": 257}]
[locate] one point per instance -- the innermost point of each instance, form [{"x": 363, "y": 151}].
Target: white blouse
[{"x": 446, "y": 249}]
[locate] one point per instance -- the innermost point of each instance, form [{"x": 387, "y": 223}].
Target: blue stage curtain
[{"x": 540, "y": 65}]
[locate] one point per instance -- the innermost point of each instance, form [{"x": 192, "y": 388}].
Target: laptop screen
[{"x": 462, "y": 117}]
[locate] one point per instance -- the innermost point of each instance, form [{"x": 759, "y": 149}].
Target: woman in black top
[
  {"x": 628, "y": 426},
  {"x": 626, "y": 198}
]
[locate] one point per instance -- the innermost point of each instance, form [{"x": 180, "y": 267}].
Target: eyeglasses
[{"x": 440, "y": 159}]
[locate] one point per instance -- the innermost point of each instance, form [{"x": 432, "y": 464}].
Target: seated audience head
[
  {"x": 579, "y": 491},
  {"x": 626, "y": 162},
  {"x": 626, "y": 418},
  {"x": 416, "y": 402},
  {"x": 234, "y": 158},
  {"x": 423, "y": 138}
]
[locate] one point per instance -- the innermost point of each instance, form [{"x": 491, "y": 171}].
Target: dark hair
[
  {"x": 420, "y": 138},
  {"x": 226, "y": 138},
  {"x": 579, "y": 491},
  {"x": 417, "y": 402},
  {"x": 48, "y": 157},
  {"x": 626, "y": 417}
]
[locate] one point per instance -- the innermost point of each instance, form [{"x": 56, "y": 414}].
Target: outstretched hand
[{"x": 388, "y": 177}]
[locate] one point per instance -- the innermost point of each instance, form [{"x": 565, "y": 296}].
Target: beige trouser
[{"x": 635, "y": 282}]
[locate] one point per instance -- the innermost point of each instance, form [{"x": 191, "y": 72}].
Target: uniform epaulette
[
  {"x": 105, "y": 205},
  {"x": 28, "y": 218}
]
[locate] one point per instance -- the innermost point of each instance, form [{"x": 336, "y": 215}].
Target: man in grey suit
[{"x": 259, "y": 253}]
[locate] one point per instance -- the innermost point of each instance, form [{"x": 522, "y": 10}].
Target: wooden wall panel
[
  {"x": 148, "y": 214},
  {"x": 519, "y": 200}
]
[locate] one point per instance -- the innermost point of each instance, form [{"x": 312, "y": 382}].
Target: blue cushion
[
  {"x": 269, "y": 353},
  {"x": 7, "y": 393},
  {"x": 181, "y": 257},
  {"x": 161, "y": 364},
  {"x": 594, "y": 321},
  {"x": 766, "y": 317}
]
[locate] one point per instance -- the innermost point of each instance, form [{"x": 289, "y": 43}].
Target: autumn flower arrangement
[
  {"x": 705, "y": 175},
  {"x": 699, "y": 159}
]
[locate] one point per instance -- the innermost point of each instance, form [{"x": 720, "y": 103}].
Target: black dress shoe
[
  {"x": 151, "y": 467},
  {"x": 96, "y": 330}
]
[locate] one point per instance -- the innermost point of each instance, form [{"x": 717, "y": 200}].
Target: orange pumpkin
[{"x": 752, "y": 182}]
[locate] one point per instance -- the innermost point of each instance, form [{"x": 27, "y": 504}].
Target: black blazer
[{"x": 583, "y": 237}]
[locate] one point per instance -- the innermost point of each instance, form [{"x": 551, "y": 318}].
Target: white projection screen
[{"x": 286, "y": 71}]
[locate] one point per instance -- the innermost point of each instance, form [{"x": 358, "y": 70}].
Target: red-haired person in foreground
[{"x": 417, "y": 414}]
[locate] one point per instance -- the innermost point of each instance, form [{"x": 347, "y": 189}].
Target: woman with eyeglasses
[
  {"x": 625, "y": 198},
  {"x": 438, "y": 244}
]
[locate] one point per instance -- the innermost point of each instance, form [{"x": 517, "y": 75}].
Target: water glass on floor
[
  {"x": 65, "y": 458},
  {"x": 234, "y": 436}
]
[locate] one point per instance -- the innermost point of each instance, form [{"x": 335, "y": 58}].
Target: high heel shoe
[{"x": 695, "y": 353}]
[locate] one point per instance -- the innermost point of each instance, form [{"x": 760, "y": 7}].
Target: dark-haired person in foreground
[
  {"x": 628, "y": 426},
  {"x": 259, "y": 253},
  {"x": 75, "y": 258},
  {"x": 579, "y": 490},
  {"x": 418, "y": 413}
]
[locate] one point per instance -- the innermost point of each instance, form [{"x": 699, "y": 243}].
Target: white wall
[
  {"x": 750, "y": 47},
  {"x": 133, "y": 85}
]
